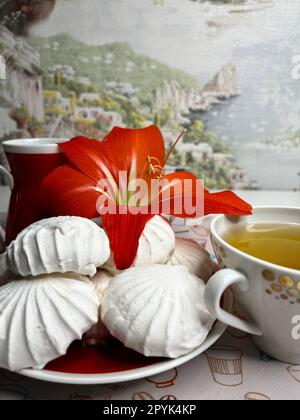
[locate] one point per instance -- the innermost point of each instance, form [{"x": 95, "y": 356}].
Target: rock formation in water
[{"x": 223, "y": 86}]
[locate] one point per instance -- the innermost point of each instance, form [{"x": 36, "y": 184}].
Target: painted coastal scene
[{"x": 227, "y": 71}]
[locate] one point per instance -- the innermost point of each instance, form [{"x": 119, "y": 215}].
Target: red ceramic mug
[{"x": 30, "y": 160}]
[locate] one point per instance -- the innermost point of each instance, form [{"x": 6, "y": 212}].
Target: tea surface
[{"x": 276, "y": 243}]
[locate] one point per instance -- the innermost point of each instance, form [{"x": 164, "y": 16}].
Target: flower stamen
[{"x": 154, "y": 167}]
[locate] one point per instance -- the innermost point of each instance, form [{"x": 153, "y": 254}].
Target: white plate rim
[{"x": 134, "y": 374}]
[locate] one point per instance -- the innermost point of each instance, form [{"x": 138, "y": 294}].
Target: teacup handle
[
  {"x": 214, "y": 291},
  {"x": 8, "y": 175}
]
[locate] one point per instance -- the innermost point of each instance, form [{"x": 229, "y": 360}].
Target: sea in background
[{"x": 258, "y": 123}]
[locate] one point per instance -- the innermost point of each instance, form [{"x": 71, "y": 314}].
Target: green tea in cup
[
  {"x": 276, "y": 243},
  {"x": 266, "y": 288}
]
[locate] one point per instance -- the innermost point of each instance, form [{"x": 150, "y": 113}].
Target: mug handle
[
  {"x": 214, "y": 291},
  {"x": 8, "y": 175}
]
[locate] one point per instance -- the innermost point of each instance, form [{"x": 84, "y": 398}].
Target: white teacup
[{"x": 268, "y": 294}]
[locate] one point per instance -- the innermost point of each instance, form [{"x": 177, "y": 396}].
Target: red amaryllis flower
[{"x": 76, "y": 189}]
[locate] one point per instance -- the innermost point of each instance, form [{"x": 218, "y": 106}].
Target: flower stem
[{"x": 174, "y": 145}]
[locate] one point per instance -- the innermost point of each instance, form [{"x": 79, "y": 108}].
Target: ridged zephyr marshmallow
[
  {"x": 42, "y": 316},
  {"x": 99, "y": 334},
  {"x": 194, "y": 257},
  {"x": 101, "y": 281},
  {"x": 156, "y": 244},
  {"x": 59, "y": 245},
  {"x": 157, "y": 310}
]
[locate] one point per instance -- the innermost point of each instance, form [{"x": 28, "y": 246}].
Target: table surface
[{"x": 241, "y": 371}]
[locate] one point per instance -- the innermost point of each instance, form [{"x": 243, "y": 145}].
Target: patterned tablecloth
[{"x": 233, "y": 369}]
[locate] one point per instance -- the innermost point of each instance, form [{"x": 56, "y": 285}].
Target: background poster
[{"x": 228, "y": 70}]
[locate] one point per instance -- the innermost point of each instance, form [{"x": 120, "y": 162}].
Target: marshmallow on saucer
[
  {"x": 194, "y": 257},
  {"x": 99, "y": 334},
  {"x": 157, "y": 310},
  {"x": 59, "y": 245},
  {"x": 42, "y": 316}
]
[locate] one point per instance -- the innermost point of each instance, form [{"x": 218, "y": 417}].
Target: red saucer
[
  {"x": 111, "y": 358},
  {"x": 103, "y": 359}
]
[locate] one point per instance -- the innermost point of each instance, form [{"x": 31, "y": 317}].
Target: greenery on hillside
[
  {"x": 215, "y": 173},
  {"x": 286, "y": 140},
  {"x": 111, "y": 62},
  {"x": 197, "y": 134}
]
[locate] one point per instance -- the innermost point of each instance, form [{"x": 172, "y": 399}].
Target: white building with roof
[
  {"x": 84, "y": 81},
  {"x": 109, "y": 118},
  {"x": 199, "y": 151},
  {"x": 89, "y": 97}
]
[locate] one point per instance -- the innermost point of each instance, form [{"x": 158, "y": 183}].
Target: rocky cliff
[{"x": 224, "y": 85}]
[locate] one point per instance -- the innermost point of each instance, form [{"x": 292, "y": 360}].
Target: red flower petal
[
  {"x": 226, "y": 202},
  {"x": 124, "y": 232},
  {"x": 122, "y": 150},
  {"x": 87, "y": 155},
  {"x": 139, "y": 153},
  {"x": 68, "y": 192},
  {"x": 185, "y": 196},
  {"x": 136, "y": 145}
]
